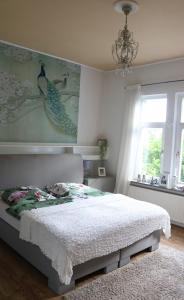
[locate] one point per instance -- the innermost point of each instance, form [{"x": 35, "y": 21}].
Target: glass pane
[
  {"x": 151, "y": 142},
  {"x": 182, "y": 110},
  {"x": 154, "y": 110},
  {"x": 181, "y": 179}
]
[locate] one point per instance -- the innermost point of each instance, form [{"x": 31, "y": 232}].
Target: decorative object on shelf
[
  {"x": 125, "y": 49},
  {"x": 163, "y": 180},
  {"x": 144, "y": 178},
  {"x": 154, "y": 181},
  {"x": 101, "y": 171},
  {"x": 139, "y": 178},
  {"x": 103, "y": 144},
  {"x": 179, "y": 187},
  {"x": 149, "y": 180}
]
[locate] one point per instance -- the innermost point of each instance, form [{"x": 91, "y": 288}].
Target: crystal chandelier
[{"x": 125, "y": 49}]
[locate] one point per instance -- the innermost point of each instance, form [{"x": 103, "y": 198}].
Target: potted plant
[{"x": 103, "y": 144}]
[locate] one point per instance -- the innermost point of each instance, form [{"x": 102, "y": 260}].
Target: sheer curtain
[{"x": 128, "y": 147}]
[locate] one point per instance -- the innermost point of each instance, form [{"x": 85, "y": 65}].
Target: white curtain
[{"x": 128, "y": 146}]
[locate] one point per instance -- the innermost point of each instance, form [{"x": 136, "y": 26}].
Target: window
[
  {"x": 151, "y": 147},
  {"x": 151, "y": 134},
  {"x": 181, "y": 165},
  {"x": 160, "y": 136},
  {"x": 179, "y": 148}
]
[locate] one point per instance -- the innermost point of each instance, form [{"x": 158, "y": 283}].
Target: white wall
[
  {"x": 112, "y": 123},
  {"x": 112, "y": 116},
  {"x": 91, "y": 87},
  {"x": 172, "y": 203}
]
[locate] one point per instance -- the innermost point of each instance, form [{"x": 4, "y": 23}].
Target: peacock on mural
[
  {"x": 40, "y": 87},
  {"x": 53, "y": 105}
]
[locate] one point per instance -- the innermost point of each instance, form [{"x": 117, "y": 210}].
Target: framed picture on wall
[
  {"x": 163, "y": 180},
  {"x": 101, "y": 171}
]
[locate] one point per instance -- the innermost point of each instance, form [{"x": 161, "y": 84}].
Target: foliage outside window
[
  {"x": 151, "y": 151},
  {"x": 151, "y": 134}
]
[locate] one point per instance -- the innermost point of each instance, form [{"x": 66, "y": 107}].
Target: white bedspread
[{"x": 73, "y": 233}]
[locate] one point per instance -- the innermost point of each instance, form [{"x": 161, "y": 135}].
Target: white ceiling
[{"x": 84, "y": 30}]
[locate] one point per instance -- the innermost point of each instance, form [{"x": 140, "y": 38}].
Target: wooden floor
[
  {"x": 20, "y": 281},
  {"x": 177, "y": 238}
]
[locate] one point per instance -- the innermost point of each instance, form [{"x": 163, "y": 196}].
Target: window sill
[{"x": 156, "y": 188}]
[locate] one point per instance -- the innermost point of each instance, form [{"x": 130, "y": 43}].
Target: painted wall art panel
[{"x": 39, "y": 97}]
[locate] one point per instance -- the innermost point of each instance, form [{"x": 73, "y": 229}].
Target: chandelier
[{"x": 125, "y": 49}]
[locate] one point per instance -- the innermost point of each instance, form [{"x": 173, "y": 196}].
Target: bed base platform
[
  {"x": 107, "y": 263},
  {"x": 149, "y": 243}
]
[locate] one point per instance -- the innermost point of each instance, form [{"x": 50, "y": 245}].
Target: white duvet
[{"x": 72, "y": 233}]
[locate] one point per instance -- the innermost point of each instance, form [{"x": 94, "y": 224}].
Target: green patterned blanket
[{"x": 21, "y": 198}]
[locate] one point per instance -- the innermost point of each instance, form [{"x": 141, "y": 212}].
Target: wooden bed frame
[{"x": 61, "y": 168}]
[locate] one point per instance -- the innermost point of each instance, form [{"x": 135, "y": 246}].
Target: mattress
[{"x": 7, "y": 217}]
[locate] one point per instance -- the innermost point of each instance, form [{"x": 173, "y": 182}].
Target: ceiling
[{"x": 84, "y": 30}]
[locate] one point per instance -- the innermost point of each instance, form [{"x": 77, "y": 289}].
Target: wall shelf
[{"x": 87, "y": 152}]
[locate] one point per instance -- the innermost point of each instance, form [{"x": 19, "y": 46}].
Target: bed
[{"x": 18, "y": 170}]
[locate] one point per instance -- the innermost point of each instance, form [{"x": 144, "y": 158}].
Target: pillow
[
  {"x": 6, "y": 194},
  {"x": 76, "y": 190},
  {"x": 58, "y": 190},
  {"x": 16, "y": 196},
  {"x": 13, "y": 195}
]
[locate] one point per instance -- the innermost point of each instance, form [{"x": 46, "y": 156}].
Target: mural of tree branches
[{"x": 39, "y": 97}]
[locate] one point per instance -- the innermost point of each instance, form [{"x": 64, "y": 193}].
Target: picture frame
[
  {"x": 101, "y": 171},
  {"x": 163, "y": 180}
]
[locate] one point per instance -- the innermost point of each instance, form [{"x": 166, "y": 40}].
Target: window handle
[
  {"x": 177, "y": 153},
  {"x": 162, "y": 152}
]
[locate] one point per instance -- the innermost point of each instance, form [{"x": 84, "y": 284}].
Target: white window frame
[
  {"x": 179, "y": 126},
  {"x": 160, "y": 125}
]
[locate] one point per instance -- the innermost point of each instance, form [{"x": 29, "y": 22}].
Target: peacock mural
[
  {"x": 39, "y": 97},
  {"x": 53, "y": 105}
]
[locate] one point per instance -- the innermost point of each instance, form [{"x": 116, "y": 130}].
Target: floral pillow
[
  {"x": 16, "y": 196},
  {"x": 12, "y": 196}
]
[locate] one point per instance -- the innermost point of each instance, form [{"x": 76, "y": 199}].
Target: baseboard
[{"x": 177, "y": 223}]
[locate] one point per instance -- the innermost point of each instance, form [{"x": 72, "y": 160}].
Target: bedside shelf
[{"x": 105, "y": 184}]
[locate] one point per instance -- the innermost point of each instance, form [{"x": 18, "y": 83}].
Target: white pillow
[{"x": 59, "y": 189}]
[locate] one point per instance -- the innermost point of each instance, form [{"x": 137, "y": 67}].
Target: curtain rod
[{"x": 161, "y": 82}]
